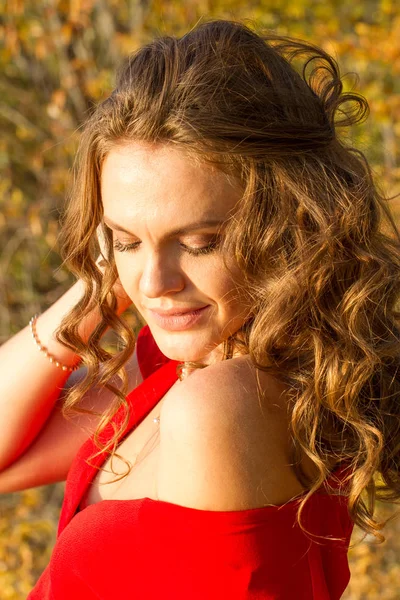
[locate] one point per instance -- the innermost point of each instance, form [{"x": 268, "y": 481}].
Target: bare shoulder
[
  {"x": 224, "y": 441},
  {"x": 237, "y": 390}
]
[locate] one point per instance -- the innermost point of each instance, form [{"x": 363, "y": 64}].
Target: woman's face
[{"x": 151, "y": 191}]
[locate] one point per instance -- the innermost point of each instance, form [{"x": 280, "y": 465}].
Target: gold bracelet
[{"x": 52, "y": 359}]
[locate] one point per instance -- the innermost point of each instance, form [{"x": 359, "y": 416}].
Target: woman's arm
[
  {"x": 49, "y": 457},
  {"x": 29, "y": 383}
]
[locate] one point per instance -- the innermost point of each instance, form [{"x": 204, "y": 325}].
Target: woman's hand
[{"x": 124, "y": 301}]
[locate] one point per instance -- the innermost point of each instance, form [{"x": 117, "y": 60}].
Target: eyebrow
[{"x": 191, "y": 227}]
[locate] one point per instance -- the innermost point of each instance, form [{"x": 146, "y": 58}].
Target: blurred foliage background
[{"x": 57, "y": 59}]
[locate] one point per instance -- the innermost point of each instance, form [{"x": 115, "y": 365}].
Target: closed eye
[{"x": 120, "y": 247}]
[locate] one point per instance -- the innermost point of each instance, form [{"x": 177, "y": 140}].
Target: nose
[{"x": 161, "y": 274}]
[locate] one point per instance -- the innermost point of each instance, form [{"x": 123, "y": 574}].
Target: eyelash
[{"x": 193, "y": 251}]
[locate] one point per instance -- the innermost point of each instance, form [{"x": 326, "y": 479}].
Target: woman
[{"x": 223, "y": 453}]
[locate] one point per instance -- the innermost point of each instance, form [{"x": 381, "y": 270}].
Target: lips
[
  {"x": 175, "y": 311},
  {"x": 180, "y": 321}
]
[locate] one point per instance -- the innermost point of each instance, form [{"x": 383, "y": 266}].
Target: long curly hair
[{"x": 314, "y": 239}]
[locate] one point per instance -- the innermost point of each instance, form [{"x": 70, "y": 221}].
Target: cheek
[
  {"x": 232, "y": 292},
  {"x": 127, "y": 273},
  {"x": 222, "y": 287},
  {"x": 120, "y": 266}
]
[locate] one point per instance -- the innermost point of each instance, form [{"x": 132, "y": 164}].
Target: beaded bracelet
[{"x": 52, "y": 359}]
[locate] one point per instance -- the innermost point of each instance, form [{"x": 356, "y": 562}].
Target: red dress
[{"x": 146, "y": 549}]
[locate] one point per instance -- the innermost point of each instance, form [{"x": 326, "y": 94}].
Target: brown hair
[{"x": 313, "y": 236}]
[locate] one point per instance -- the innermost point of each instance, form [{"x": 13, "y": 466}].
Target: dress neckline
[
  {"x": 142, "y": 400},
  {"x": 259, "y": 513}
]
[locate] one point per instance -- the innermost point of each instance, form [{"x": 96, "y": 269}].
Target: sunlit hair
[{"x": 316, "y": 244}]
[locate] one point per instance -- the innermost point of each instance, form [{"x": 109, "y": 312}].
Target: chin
[
  {"x": 180, "y": 351},
  {"x": 201, "y": 343}
]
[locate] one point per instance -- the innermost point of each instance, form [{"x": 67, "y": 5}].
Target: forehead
[{"x": 144, "y": 181}]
